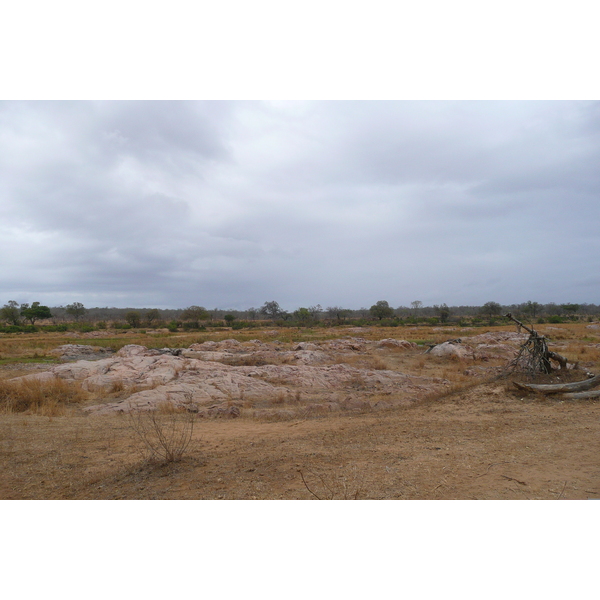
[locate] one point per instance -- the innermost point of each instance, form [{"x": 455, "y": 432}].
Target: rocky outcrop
[
  {"x": 148, "y": 378},
  {"x": 396, "y": 344},
  {"x": 80, "y": 351}
]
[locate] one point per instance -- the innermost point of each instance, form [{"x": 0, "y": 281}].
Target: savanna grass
[{"x": 41, "y": 397}]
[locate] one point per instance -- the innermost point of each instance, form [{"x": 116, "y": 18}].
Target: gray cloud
[{"x": 234, "y": 203}]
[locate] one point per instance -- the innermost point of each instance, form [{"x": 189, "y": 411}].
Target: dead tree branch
[{"x": 534, "y": 356}]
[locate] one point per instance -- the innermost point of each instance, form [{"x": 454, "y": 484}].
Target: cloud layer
[{"x": 230, "y": 204}]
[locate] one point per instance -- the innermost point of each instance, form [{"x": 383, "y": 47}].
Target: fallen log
[
  {"x": 559, "y": 388},
  {"x": 583, "y": 395}
]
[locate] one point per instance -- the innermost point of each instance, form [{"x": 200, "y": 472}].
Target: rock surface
[
  {"x": 149, "y": 378},
  {"x": 80, "y": 351}
]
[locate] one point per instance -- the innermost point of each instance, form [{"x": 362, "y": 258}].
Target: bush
[
  {"x": 173, "y": 326},
  {"x": 11, "y": 329},
  {"x": 555, "y": 319},
  {"x": 166, "y": 436},
  {"x": 389, "y": 322},
  {"x": 134, "y": 318}
]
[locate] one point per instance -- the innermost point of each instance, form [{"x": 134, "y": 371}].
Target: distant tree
[
  {"x": 491, "y": 309},
  {"x": 134, "y": 318},
  {"x": 271, "y": 310},
  {"x": 443, "y": 311},
  {"x": 152, "y": 316},
  {"x": 195, "y": 313},
  {"x": 532, "y": 308},
  {"x": 315, "y": 311},
  {"x": 229, "y": 319},
  {"x": 252, "y": 313},
  {"x": 303, "y": 315},
  {"x": 570, "y": 308},
  {"x": 338, "y": 313},
  {"x": 381, "y": 310},
  {"x": 76, "y": 310},
  {"x": 416, "y": 305},
  {"x": 35, "y": 311},
  {"x": 552, "y": 309},
  {"x": 10, "y": 313}
]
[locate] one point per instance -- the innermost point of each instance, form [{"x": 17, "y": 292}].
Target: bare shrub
[
  {"x": 375, "y": 363},
  {"x": 346, "y": 486},
  {"x": 47, "y": 397},
  {"x": 166, "y": 433}
]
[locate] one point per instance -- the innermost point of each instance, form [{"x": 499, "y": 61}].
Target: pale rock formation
[
  {"x": 80, "y": 351},
  {"x": 211, "y": 388},
  {"x": 392, "y": 343},
  {"x": 451, "y": 349}
]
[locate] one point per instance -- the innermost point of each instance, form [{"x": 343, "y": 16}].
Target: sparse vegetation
[
  {"x": 166, "y": 434},
  {"x": 41, "y": 397}
]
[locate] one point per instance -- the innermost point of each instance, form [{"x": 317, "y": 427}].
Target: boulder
[{"x": 451, "y": 349}]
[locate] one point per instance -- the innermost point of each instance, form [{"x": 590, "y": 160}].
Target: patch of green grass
[{"x": 28, "y": 360}]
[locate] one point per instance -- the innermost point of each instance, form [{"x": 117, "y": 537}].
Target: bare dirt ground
[{"x": 478, "y": 438}]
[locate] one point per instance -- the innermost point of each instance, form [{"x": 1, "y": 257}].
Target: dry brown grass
[
  {"x": 42, "y": 397},
  {"x": 362, "y": 361}
]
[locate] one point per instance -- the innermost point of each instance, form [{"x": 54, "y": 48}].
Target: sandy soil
[{"x": 484, "y": 443}]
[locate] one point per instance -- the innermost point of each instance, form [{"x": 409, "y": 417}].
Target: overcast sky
[{"x": 231, "y": 204}]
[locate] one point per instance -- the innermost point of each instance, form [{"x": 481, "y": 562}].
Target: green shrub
[
  {"x": 134, "y": 318},
  {"x": 56, "y": 328},
  {"x": 10, "y": 329},
  {"x": 555, "y": 319}
]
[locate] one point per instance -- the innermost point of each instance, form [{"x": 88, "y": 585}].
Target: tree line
[{"x": 15, "y": 316}]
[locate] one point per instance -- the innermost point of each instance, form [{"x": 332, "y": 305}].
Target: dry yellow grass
[{"x": 41, "y": 397}]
